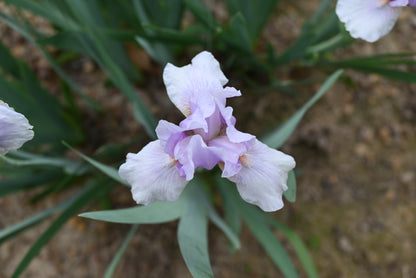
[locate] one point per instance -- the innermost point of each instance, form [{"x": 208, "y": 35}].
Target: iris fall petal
[
  {"x": 369, "y": 19},
  {"x": 263, "y": 176},
  {"x": 153, "y": 175}
]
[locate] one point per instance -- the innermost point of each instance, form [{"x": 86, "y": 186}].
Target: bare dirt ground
[{"x": 355, "y": 153}]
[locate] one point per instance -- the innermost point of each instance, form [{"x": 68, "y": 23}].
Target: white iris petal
[
  {"x": 263, "y": 177},
  {"x": 153, "y": 175},
  {"x": 203, "y": 77},
  {"x": 369, "y": 20},
  {"x": 15, "y": 129}
]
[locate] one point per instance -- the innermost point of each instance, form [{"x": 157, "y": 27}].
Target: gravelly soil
[{"x": 355, "y": 154}]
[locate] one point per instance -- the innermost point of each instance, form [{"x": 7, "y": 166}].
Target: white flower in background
[
  {"x": 205, "y": 138},
  {"x": 370, "y": 19},
  {"x": 15, "y": 129}
]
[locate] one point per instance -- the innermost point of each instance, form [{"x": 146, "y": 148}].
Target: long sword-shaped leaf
[
  {"x": 24, "y": 180},
  {"x": 269, "y": 241},
  {"x": 89, "y": 192},
  {"x": 31, "y": 221},
  {"x": 256, "y": 15},
  {"x": 276, "y": 138},
  {"x": 158, "y": 212},
  {"x": 109, "y": 171},
  {"x": 215, "y": 218},
  {"x": 23, "y": 30},
  {"x": 193, "y": 236},
  {"x": 258, "y": 224},
  {"x": 27, "y": 159},
  {"x": 298, "y": 246},
  {"x": 112, "y": 267}
]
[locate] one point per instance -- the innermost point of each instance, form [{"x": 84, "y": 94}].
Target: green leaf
[
  {"x": 214, "y": 217},
  {"x": 255, "y": 13},
  {"x": 8, "y": 63},
  {"x": 44, "y": 112},
  {"x": 191, "y": 35},
  {"x": 157, "y": 212},
  {"x": 259, "y": 223},
  {"x": 24, "y": 180},
  {"x": 104, "y": 52},
  {"x": 318, "y": 34},
  {"x": 29, "y": 159},
  {"x": 290, "y": 193},
  {"x": 202, "y": 14},
  {"x": 27, "y": 32},
  {"x": 162, "y": 13},
  {"x": 157, "y": 51},
  {"x": 90, "y": 20},
  {"x": 47, "y": 9},
  {"x": 268, "y": 240},
  {"x": 276, "y": 138},
  {"x": 31, "y": 221},
  {"x": 231, "y": 235},
  {"x": 93, "y": 190},
  {"x": 141, "y": 111},
  {"x": 382, "y": 65},
  {"x": 112, "y": 267},
  {"x": 109, "y": 171},
  {"x": 297, "y": 50},
  {"x": 337, "y": 41},
  {"x": 236, "y": 35},
  {"x": 232, "y": 215},
  {"x": 320, "y": 13},
  {"x": 193, "y": 237},
  {"x": 298, "y": 246}
]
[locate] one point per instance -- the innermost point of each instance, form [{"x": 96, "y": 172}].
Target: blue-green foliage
[{"x": 100, "y": 30}]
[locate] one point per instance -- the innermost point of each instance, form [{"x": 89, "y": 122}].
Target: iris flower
[
  {"x": 15, "y": 129},
  {"x": 205, "y": 138},
  {"x": 370, "y": 19}
]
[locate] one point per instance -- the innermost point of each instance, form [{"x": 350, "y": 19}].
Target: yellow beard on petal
[
  {"x": 384, "y": 2},
  {"x": 186, "y": 110},
  {"x": 245, "y": 161}
]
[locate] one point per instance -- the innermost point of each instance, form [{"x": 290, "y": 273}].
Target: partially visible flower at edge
[
  {"x": 15, "y": 129},
  {"x": 205, "y": 138},
  {"x": 370, "y": 19}
]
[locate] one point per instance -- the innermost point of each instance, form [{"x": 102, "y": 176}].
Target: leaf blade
[
  {"x": 157, "y": 212},
  {"x": 193, "y": 237},
  {"x": 276, "y": 138},
  {"x": 112, "y": 267}
]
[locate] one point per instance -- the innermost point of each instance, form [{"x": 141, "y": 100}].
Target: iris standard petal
[
  {"x": 152, "y": 174},
  {"x": 369, "y": 19},
  {"x": 15, "y": 129},
  {"x": 206, "y": 62},
  {"x": 202, "y": 78},
  {"x": 263, "y": 176}
]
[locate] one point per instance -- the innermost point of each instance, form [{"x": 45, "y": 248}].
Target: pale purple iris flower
[
  {"x": 205, "y": 138},
  {"x": 15, "y": 129},
  {"x": 370, "y": 19}
]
